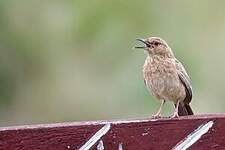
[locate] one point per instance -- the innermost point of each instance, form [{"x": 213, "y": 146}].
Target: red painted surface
[{"x": 162, "y": 134}]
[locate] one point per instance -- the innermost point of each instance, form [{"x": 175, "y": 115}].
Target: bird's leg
[
  {"x": 175, "y": 114},
  {"x": 158, "y": 114}
]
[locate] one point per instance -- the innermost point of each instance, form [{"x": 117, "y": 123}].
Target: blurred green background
[{"x": 73, "y": 60}]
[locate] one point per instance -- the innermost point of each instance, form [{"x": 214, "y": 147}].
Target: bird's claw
[
  {"x": 156, "y": 116},
  {"x": 175, "y": 115}
]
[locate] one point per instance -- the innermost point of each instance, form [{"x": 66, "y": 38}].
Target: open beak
[{"x": 143, "y": 41}]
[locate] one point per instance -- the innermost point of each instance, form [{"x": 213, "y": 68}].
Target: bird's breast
[
  {"x": 161, "y": 77},
  {"x": 157, "y": 67}
]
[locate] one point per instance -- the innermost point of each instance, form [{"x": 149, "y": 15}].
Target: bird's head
[{"x": 155, "y": 46}]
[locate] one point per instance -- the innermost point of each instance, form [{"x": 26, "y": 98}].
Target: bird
[{"x": 165, "y": 77}]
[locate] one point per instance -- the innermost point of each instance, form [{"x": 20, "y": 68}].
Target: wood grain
[{"x": 162, "y": 134}]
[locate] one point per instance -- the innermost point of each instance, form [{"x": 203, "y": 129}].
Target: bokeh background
[{"x": 73, "y": 60}]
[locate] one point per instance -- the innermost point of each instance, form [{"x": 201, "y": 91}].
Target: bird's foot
[
  {"x": 156, "y": 116},
  {"x": 175, "y": 115}
]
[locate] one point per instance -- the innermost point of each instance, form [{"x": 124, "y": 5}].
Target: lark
[{"x": 165, "y": 77}]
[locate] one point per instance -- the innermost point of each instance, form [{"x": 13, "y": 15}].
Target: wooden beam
[{"x": 202, "y": 132}]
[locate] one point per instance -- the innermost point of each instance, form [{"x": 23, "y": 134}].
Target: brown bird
[{"x": 165, "y": 77}]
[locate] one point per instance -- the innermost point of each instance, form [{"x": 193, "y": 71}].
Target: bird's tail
[{"x": 184, "y": 110}]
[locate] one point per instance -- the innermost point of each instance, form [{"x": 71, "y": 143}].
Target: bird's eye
[{"x": 156, "y": 43}]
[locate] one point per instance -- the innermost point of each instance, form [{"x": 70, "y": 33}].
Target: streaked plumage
[{"x": 165, "y": 77}]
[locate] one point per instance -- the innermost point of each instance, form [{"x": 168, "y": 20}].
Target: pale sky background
[{"x": 73, "y": 60}]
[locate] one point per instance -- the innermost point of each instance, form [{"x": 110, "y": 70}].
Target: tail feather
[
  {"x": 184, "y": 110},
  {"x": 189, "y": 110}
]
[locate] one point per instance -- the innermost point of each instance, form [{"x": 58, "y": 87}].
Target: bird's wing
[
  {"x": 185, "y": 81},
  {"x": 145, "y": 82}
]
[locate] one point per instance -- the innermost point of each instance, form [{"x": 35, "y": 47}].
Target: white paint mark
[
  {"x": 100, "y": 145},
  {"x": 120, "y": 146},
  {"x": 68, "y": 147},
  {"x": 144, "y": 134},
  {"x": 193, "y": 137},
  {"x": 96, "y": 137}
]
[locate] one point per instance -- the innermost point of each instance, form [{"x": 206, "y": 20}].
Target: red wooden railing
[{"x": 201, "y": 132}]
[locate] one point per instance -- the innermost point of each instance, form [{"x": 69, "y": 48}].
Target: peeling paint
[
  {"x": 96, "y": 137},
  {"x": 120, "y": 146},
  {"x": 100, "y": 145},
  {"x": 144, "y": 134},
  {"x": 194, "y": 136}
]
